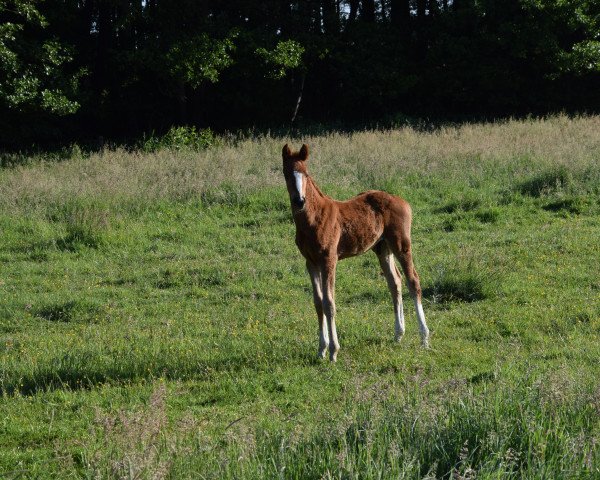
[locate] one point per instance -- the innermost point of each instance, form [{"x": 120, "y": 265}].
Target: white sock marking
[
  {"x": 422, "y": 324},
  {"x": 399, "y": 319}
]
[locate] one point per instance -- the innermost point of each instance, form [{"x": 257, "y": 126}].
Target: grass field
[{"x": 156, "y": 319}]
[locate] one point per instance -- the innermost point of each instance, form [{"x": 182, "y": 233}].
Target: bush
[{"x": 181, "y": 138}]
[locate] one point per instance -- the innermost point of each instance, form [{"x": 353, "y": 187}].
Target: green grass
[{"x": 156, "y": 319}]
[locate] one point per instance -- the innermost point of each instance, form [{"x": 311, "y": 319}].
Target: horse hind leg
[
  {"x": 394, "y": 282},
  {"x": 402, "y": 251},
  {"x": 316, "y": 280},
  {"x": 414, "y": 287}
]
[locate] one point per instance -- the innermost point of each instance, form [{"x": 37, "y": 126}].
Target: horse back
[{"x": 364, "y": 219}]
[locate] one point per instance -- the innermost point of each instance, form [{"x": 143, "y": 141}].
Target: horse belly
[{"x": 359, "y": 236}]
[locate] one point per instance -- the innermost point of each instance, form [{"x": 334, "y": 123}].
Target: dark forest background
[{"x": 118, "y": 69}]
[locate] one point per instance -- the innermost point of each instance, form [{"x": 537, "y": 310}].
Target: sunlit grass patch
[
  {"x": 123, "y": 272},
  {"x": 138, "y": 444}
]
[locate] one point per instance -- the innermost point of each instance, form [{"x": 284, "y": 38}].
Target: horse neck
[
  {"x": 318, "y": 194},
  {"x": 315, "y": 200}
]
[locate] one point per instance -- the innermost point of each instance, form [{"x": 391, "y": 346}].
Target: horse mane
[{"x": 316, "y": 187}]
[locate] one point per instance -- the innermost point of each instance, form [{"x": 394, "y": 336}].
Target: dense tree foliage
[{"x": 117, "y": 68}]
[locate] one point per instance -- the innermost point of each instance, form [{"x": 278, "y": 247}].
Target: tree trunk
[
  {"x": 310, "y": 12},
  {"x": 434, "y": 8},
  {"x": 367, "y": 13},
  {"x": 103, "y": 27},
  {"x": 421, "y": 21},
  {"x": 181, "y": 102},
  {"x": 297, "y": 107},
  {"x": 421, "y": 6},
  {"x": 353, "y": 10},
  {"x": 400, "y": 13},
  {"x": 331, "y": 19}
]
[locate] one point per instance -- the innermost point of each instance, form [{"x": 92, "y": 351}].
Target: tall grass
[
  {"x": 534, "y": 429},
  {"x": 512, "y": 152}
]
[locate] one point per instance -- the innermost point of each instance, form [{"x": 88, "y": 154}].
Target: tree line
[{"x": 83, "y": 69}]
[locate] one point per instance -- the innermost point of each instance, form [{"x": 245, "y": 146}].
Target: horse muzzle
[{"x": 299, "y": 201}]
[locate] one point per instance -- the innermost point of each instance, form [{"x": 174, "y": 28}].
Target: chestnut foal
[{"x": 328, "y": 230}]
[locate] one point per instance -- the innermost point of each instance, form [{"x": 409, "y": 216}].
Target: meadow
[{"x": 156, "y": 318}]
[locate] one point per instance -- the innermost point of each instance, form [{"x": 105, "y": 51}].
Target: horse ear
[
  {"x": 286, "y": 152},
  {"x": 303, "y": 152}
]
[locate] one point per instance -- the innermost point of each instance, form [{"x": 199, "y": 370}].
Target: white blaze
[{"x": 299, "y": 179}]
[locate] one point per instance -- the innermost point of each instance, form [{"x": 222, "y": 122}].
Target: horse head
[{"x": 294, "y": 171}]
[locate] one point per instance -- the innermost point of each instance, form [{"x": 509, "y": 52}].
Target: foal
[{"x": 328, "y": 230}]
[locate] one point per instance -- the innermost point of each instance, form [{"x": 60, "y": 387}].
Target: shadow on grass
[
  {"x": 69, "y": 311},
  {"x": 464, "y": 204},
  {"x": 81, "y": 234},
  {"x": 35, "y": 250},
  {"x": 66, "y": 377},
  {"x": 460, "y": 285},
  {"x": 570, "y": 204},
  {"x": 374, "y": 296},
  {"x": 80, "y": 370},
  {"x": 61, "y": 312},
  {"x": 556, "y": 179}
]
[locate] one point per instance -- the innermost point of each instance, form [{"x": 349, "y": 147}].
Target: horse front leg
[
  {"x": 328, "y": 281},
  {"x": 317, "y": 286}
]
